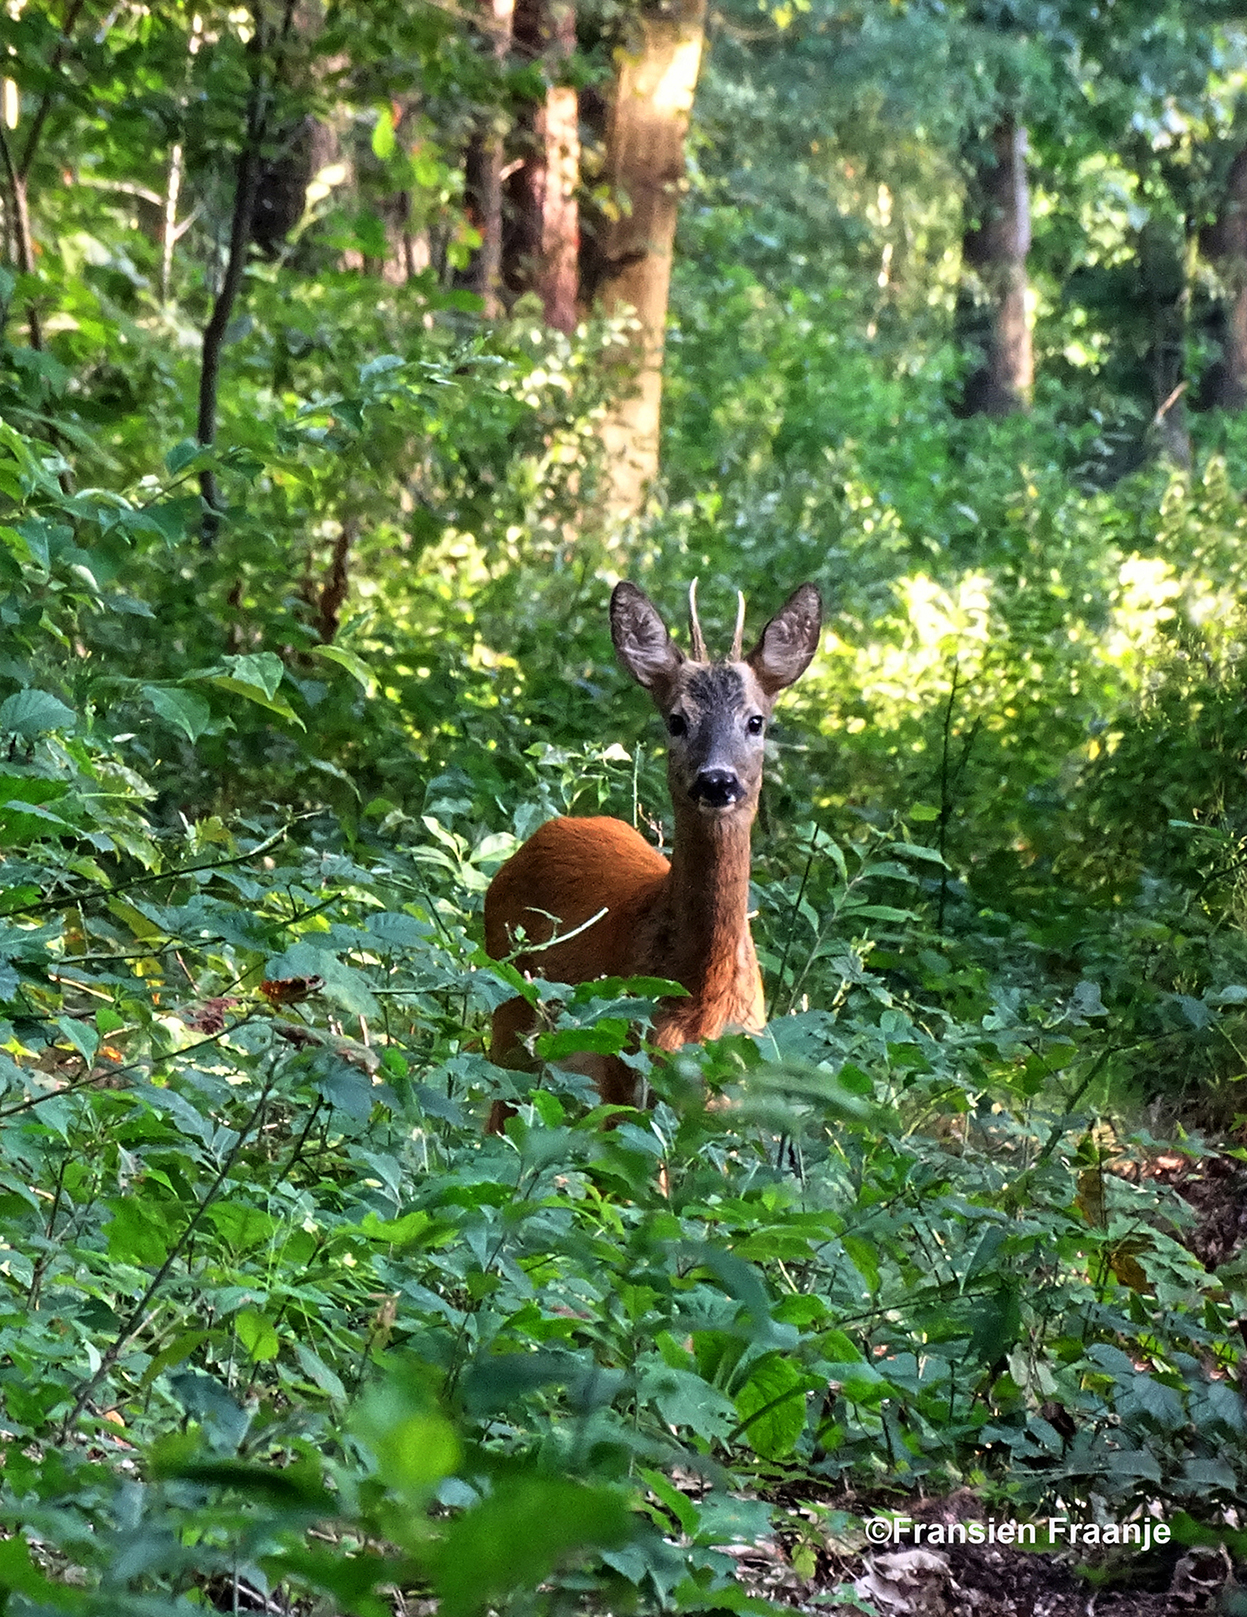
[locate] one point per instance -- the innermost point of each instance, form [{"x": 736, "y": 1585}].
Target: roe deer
[{"x": 687, "y": 921}]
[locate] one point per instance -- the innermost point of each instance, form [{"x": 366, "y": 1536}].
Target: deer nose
[{"x": 717, "y": 788}]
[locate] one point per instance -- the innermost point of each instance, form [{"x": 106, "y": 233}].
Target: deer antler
[
  {"x": 694, "y": 626},
  {"x": 734, "y": 654}
]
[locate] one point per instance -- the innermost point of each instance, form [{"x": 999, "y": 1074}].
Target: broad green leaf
[
  {"x": 254, "y": 693},
  {"x": 181, "y": 455},
  {"x": 771, "y": 1406},
  {"x": 262, "y": 668},
  {"x": 257, "y": 1335},
  {"x": 383, "y": 134},
  {"x": 135, "y": 1234},
  {"x": 19, "y": 1575},
  {"x": 355, "y": 666},
  {"x": 684, "y": 1399},
  {"x": 511, "y": 1542},
  {"x": 181, "y": 708},
  {"x": 83, "y": 1036},
  {"x": 33, "y": 712}
]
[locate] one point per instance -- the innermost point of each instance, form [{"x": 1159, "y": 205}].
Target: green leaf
[
  {"x": 136, "y": 1235},
  {"x": 607, "y": 1037},
  {"x": 254, "y": 693},
  {"x": 679, "y": 1504},
  {"x": 511, "y": 1542},
  {"x": 355, "y": 666},
  {"x": 23, "y": 815},
  {"x": 771, "y": 1406},
  {"x": 19, "y": 1575},
  {"x": 257, "y": 1335},
  {"x": 31, "y": 713},
  {"x": 864, "y": 1258},
  {"x": 399, "y": 1418},
  {"x": 682, "y": 1398},
  {"x": 262, "y": 668},
  {"x": 416, "y": 1451},
  {"x": 139, "y": 924},
  {"x": 181, "y": 708},
  {"x": 916, "y": 850},
  {"x": 84, "y": 1038},
  {"x": 997, "y": 1324},
  {"x": 181, "y": 455},
  {"x": 383, "y": 134}
]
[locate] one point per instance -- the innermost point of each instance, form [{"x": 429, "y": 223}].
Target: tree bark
[
  {"x": 1162, "y": 274},
  {"x": 543, "y": 241},
  {"x": 483, "y": 177},
  {"x": 245, "y": 187},
  {"x": 991, "y": 302},
  {"x": 1223, "y": 244},
  {"x": 646, "y": 125},
  {"x": 17, "y": 170}
]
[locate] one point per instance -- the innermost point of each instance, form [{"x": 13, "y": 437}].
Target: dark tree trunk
[
  {"x": 1162, "y": 273},
  {"x": 1223, "y": 244},
  {"x": 991, "y": 302},
  {"x": 543, "y": 234},
  {"x": 483, "y": 174},
  {"x": 282, "y": 185},
  {"x": 17, "y": 169}
]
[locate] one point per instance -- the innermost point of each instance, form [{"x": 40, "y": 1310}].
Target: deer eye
[
  {"x": 677, "y": 725},
  {"x": 755, "y": 724}
]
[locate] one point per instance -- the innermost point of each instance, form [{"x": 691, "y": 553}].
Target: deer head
[{"x": 716, "y": 713}]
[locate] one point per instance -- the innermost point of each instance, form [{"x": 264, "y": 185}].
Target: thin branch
[
  {"x": 108, "y": 1074},
  {"x": 792, "y": 923},
  {"x": 1169, "y": 404},
  {"x": 946, "y": 805},
  {"x": 23, "y": 240},
  {"x": 18, "y": 172},
  {"x": 123, "y": 186},
  {"x": 152, "y": 876},
  {"x": 138, "y": 1314},
  {"x": 45, "y": 105},
  {"x": 169, "y": 229}
]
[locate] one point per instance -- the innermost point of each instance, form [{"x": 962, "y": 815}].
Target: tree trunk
[
  {"x": 483, "y": 176},
  {"x": 1224, "y": 246},
  {"x": 1162, "y": 274},
  {"x": 646, "y": 126},
  {"x": 544, "y": 238},
  {"x": 991, "y": 303}
]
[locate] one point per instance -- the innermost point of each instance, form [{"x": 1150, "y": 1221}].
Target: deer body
[{"x": 687, "y": 920}]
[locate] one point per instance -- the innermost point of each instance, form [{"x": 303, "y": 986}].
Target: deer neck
[{"x": 708, "y": 904}]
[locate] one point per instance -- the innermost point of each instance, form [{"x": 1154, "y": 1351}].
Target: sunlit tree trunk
[
  {"x": 546, "y": 233},
  {"x": 646, "y": 126},
  {"x": 1223, "y": 244},
  {"x": 991, "y": 303}
]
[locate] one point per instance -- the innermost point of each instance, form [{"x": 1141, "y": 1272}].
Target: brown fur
[{"x": 687, "y": 921}]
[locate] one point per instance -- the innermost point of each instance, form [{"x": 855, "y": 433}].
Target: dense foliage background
[{"x": 306, "y": 537}]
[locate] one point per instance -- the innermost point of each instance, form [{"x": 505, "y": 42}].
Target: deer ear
[
  {"x": 642, "y": 643},
  {"x": 788, "y": 642}
]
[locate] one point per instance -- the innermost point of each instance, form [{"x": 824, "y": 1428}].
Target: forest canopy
[{"x": 351, "y": 353}]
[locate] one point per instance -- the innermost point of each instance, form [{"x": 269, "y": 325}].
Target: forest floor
[
  {"x": 994, "y": 1580},
  {"x": 990, "y": 1581}
]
